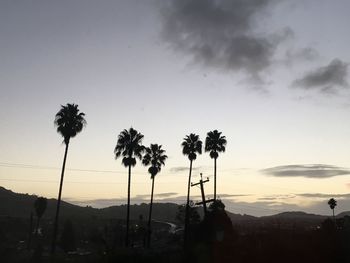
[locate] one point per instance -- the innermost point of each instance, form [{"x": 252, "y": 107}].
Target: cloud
[
  {"x": 228, "y": 196},
  {"x": 300, "y": 54},
  {"x": 325, "y": 78},
  {"x": 306, "y": 170},
  {"x": 320, "y": 195},
  {"x": 220, "y": 34},
  {"x": 179, "y": 169},
  {"x": 276, "y": 197},
  {"x": 161, "y": 195}
]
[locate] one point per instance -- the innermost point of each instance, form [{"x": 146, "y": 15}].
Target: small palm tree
[
  {"x": 69, "y": 122},
  {"x": 332, "y": 204},
  {"x": 155, "y": 157},
  {"x": 190, "y": 147},
  {"x": 40, "y": 207},
  {"x": 215, "y": 143},
  {"x": 129, "y": 146}
]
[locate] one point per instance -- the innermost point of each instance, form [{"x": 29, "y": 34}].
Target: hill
[{"x": 20, "y": 205}]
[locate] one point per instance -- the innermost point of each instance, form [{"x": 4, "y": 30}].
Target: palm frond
[
  {"x": 191, "y": 146},
  {"x": 69, "y": 121}
]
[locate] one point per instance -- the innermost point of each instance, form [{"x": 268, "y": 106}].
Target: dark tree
[
  {"x": 69, "y": 122},
  {"x": 68, "y": 242},
  {"x": 40, "y": 207},
  {"x": 215, "y": 143},
  {"x": 155, "y": 157},
  {"x": 190, "y": 147},
  {"x": 129, "y": 147},
  {"x": 332, "y": 204},
  {"x": 194, "y": 217}
]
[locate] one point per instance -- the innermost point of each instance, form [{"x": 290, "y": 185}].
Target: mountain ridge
[{"x": 21, "y": 205}]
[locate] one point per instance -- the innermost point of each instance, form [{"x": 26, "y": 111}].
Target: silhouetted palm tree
[
  {"x": 332, "y": 204},
  {"x": 190, "y": 147},
  {"x": 155, "y": 157},
  {"x": 40, "y": 207},
  {"x": 215, "y": 143},
  {"x": 69, "y": 122},
  {"x": 129, "y": 146}
]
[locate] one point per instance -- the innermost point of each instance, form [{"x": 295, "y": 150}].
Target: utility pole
[{"x": 204, "y": 202}]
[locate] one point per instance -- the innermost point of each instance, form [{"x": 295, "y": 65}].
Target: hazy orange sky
[{"x": 271, "y": 75}]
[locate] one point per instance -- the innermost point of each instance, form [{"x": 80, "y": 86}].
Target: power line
[
  {"x": 29, "y": 166},
  {"x": 78, "y": 182}
]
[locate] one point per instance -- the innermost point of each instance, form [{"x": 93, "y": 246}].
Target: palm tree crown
[
  {"x": 332, "y": 203},
  {"x": 155, "y": 157},
  {"x": 215, "y": 143},
  {"x": 191, "y": 146},
  {"x": 129, "y": 146},
  {"x": 69, "y": 121}
]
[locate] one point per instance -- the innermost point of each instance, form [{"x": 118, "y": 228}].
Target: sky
[{"x": 271, "y": 75}]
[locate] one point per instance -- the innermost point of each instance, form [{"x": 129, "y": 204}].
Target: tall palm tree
[
  {"x": 69, "y": 122},
  {"x": 129, "y": 146},
  {"x": 40, "y": 205},
  {"x": 215, "y": 143},
  {"x": 190, "y": 147},
  {"x": 155, "y": 157},
  {"x": 332, "y": 204}
]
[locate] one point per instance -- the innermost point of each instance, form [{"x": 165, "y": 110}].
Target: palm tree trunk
[
  {"x": 53, "y": 247},
  {"x": 214, "y": 178},
  {"x": 128, "y": 210},
  {"x": 187, "y": 216},
  {"x": 333, "y": 216},
  {"x": 150, "y": 217}
]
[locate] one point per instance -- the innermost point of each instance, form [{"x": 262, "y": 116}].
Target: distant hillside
[
  {"x": 296, "y": 216},
  {"x": 347, "y": 213},
  {"x": 238, "y": 218},
  {"x": 20, "y": 205}
]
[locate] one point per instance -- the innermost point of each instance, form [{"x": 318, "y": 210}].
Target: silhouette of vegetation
[
  {"x": 155, "y": 157},
  {"x": 68, "y": 241},
  {"x": 40, "y": 207},
  {"x": 215, "y": 236},
  {"x": 191, "y": 146},
  {"x": 194, "y": 217},
  {"x": 332, "y": 204},
  {"x": 214, "y": 144},
  {"x": 129, "y": 146},
  {"x": 30, "y": 234},
  {"x": 69, "y": 122}
]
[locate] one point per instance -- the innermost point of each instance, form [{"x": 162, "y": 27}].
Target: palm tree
[
  {"x": 129, "y": 146},
  {"x": 215, "y": 143},
  {"x": 190, "y": 147},
  {"x": 155, "y": 157},
  {"x": 40, "y": 207},
  {"x": 69, "y": 122},
  {"x": 332, "y": 204}
]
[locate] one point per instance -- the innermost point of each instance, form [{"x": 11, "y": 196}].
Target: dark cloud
[
  {"x": 326, "y": 78},
  {"x": 301, "y": 54},
  {"x": 228, "y": 196},
  {"x": 161, "y": 195},
  {"x": 306, "y": 170},
  {"x": 320, "y": 195},
  {"x": 219, "y": 34},
  {"x": 179, "y": 169},
  {"x": 276, "y": 197}
]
